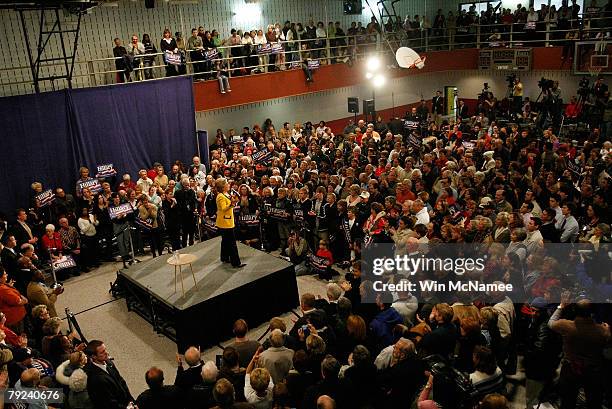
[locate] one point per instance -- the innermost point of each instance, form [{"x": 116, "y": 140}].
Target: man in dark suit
[
  {"x": 437, "y": 107},
  {"x": 21, "y": 230},
  {"x": 547, "y": 229},
  {"x": 330, "y": 306},
  {"x": 9, "y": 255},
  {"x": 462, "y": 110},
  {"x": 106, "y": 388},
  {"x": 188, "y": 378},
  {"x": 159, "y": 396}
]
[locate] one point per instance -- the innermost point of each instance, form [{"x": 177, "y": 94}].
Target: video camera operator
[
  {"x": 517, "y": 94},
  {"x": 550, "y": 106}
]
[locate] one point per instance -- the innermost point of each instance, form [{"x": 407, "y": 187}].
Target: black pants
[
  {"x": 155, "y": 241},
  {"x": 570, "y": 382},
  {"x": 518, "y": 104},
  {"x": 188, "y": 228},
  {"x": 229, "y": 249}
]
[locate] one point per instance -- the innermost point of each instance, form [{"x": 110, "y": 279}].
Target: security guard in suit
[{"x": 225, "y": 224}]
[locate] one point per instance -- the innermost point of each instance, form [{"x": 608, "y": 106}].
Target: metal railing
[{"x": 295, "y": 54}]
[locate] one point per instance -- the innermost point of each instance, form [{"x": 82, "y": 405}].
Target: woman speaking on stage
[{"x": 225, "y": 223}]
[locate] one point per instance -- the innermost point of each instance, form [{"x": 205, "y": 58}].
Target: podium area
[{"x": 264, "y": 288}]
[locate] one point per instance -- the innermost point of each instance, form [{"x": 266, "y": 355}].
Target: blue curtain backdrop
[{"x": 47, "y": 137}]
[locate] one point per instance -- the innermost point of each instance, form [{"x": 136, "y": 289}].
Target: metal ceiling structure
[{"x": 50, "y": 13}]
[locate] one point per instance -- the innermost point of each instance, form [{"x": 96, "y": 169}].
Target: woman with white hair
[{"x": 52, "y": 243}]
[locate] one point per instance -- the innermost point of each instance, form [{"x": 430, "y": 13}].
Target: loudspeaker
[
  {"x": 150, "y": 4},
  {"x": 368, "y": 107},
  {"x": 353, "y": 105}
]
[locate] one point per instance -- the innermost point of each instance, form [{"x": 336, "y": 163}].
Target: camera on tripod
[
  {"x": 545, "y": 84},
  {"x": 511, "y": 79},
  {"x": 452, "y": 388},
  {"x": 584, "y": 87}
]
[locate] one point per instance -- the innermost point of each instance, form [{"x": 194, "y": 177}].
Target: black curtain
[{"x": 47, "y": 137}]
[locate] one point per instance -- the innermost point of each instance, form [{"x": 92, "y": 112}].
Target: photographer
[
  {"x": 39, "y": 293},
  {"x": 297, "y": 248}
]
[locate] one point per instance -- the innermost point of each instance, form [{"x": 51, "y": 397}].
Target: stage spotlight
[
  {"x": 373, "y": 63},
  {"x": 369, "y": 75},
  {"x": 379, "y": 80}
]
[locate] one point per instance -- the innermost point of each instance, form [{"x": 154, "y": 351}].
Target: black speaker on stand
[
  {"x": 369, "y": 109},
  {"x": 150, "y": 4},
  {"x": 353, "y": 106}
]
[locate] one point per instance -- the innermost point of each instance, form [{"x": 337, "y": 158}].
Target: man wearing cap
[
  {"x": 534, "y": 238},
  {"x": 489, "y": 162}
]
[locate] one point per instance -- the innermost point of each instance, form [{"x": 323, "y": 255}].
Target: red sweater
[{"x": 10, "y": 304}]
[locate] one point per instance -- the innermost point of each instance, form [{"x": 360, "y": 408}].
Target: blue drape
[{"x": 47, "y": 137}]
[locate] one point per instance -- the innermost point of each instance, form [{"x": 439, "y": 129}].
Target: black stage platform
[{"x": 265, "y": 288}]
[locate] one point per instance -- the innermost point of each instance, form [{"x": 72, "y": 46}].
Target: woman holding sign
[{"x": 225, "y": 223}]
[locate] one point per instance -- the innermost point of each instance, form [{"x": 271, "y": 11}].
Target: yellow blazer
[{"x": 225, "y": 212}]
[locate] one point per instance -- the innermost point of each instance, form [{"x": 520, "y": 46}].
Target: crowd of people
[
  {"x": 212, "y": 55},
  {"x": 511, "y": 191}
]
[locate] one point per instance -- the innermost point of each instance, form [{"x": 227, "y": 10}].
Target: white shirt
[
  {"x": 251, "y": 395},
  {"x": 422, "y": 217}
]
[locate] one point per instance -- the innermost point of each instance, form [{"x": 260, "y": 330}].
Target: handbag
[{"x": 172, "y": 58}]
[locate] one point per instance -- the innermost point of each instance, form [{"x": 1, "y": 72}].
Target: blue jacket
[{"x": 382, "y": 326}]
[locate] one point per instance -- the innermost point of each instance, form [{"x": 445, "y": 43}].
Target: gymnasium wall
[
  {"x": 126, "y": 17},
  {"x": 331, "y": 104}
]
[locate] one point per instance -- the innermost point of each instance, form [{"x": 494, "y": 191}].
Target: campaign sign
[
  {"x": 45, "y": 198},
  {"x": 145, "y": 224},
  {"x": 318, "y": 264},
  {"x": 411, "y": 124},
  {"x": 210, "y": 54},
  {"x": 92, "y": 184},
  {"x": 122, "y": 210},
  {"x": 106, "y": 171},
  {"x": 264, "y": 48},
  {"x": 276, "y": 48},
  {"x": 64, "y": 263},
  {"x": 279, "y": 214},
  {"x": 210, "y": 226},
  {"x": 577, "y": 169},
  {"x": 414, "y": 141},
  {"x": 468, "y": 144},
  {"x": 261, "y": 156},
  {"x": 313, "y": 64},
  {"x": 248, "y": 220}
]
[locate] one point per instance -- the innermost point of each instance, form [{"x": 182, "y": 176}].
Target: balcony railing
[{"x": 347, "y": 49}]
